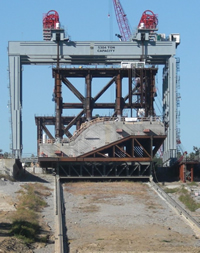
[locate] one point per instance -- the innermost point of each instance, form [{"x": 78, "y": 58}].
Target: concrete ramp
[{"x": 99, "y": 133}]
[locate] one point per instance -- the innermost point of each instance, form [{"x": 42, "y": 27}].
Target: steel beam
[
  {"x": 73, "y": 89},
  {"x": 39, "y": 132},
  {"x": 119, "y": 96},
  {"x": 91, "y": 52},
  {"x": 88, "y": 108},
  {"x": 105, "y": 170},
  {"x": 58, "y": 99},
  {"x": 104, "y": 88},
  {"x": 15, "y": 75},
  {"x": 169, "y": 107},
  {"x": 93, "y": 159}
]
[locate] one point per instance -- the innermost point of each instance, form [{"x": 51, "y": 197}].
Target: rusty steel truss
[
  {"x": 145, "y": 92},
  {"x": 131, "y": 155}
]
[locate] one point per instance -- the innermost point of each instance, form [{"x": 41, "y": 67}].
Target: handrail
[
  {"x": 103, "y": 119},
  {"x": 86, "y": 124}
]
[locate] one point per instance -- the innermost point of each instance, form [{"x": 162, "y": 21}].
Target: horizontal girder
[
  {"x": 91, "y": 52},
  {"x": 102, "y": 72},
  {"x": 89, "y": 170}
]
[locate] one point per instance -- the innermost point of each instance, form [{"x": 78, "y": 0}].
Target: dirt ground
[
  {"x": 8, "y": 201},
  {"x": 103, "y": 217},
  {"x": 123, "y": 217}
]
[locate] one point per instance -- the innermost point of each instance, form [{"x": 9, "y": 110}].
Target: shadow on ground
[
  {"x": 5, "y": 229},
  {"x": 29, "y": 177}
]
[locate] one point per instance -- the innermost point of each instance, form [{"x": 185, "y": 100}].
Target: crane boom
[{"x": 122, "y": 21}]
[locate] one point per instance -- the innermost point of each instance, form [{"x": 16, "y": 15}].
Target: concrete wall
[
  {"x": 35, "y": 170},
  {"x": 10, "y": 167}
]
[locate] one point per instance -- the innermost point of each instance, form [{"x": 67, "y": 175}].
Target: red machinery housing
[
  {"x": 148, "y": 20},
  {"x": 50, "y": 21}
]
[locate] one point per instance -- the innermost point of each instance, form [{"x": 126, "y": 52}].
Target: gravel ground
[
  {"x": 48, "y": 215},
  {"x": 103, "y": 217},
  {"x": 8, "y": 199},
  {"x": 123, "y": 217}
]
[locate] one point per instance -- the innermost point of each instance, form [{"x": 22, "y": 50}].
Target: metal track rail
[
  {"x": 182, "y": 212},
  {"x": 61, "y": 242}
]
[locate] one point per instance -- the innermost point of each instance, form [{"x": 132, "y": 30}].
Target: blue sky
[{"x": 87, "y": 20}]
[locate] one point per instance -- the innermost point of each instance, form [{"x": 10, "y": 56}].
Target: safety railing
[
  {"x": 113, "y": 119},
  {"x": 87, "y": 124}
]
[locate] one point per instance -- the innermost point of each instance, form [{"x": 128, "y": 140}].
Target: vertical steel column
[
  {"x": 151, "y": 151},
  {"x": 165, "y": 111},
  {"x": 58, "y": 98},
  {"x": 152, "y": 84},
  {"x": 119, "y": 96},
  {"x": 172, "y": 106},
  {"x": 142, "y": 88},
  {"x": 78, "y": 124},
  {"x": 149, "y": 92},
  {"x": 15, "y": 74},
  {"x": 130, "y": 96},
  {"x": 182, "y": 172},
  {"x": 169, "y": 104},
  {"x": 39, "y": 135},
  {"x": 88, "y": 97},
  {"x": 192, "y": 173}
]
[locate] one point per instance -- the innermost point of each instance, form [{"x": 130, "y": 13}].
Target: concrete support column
[
  {"x": 119, "y": 96},
  {"x": 88, "y": 97},
  {"x": 15, "y": 74}
]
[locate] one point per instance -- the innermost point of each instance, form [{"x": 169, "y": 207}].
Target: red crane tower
[
  {"x": 125, "y": 32},
  {"x": 50, "y": 21}
]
